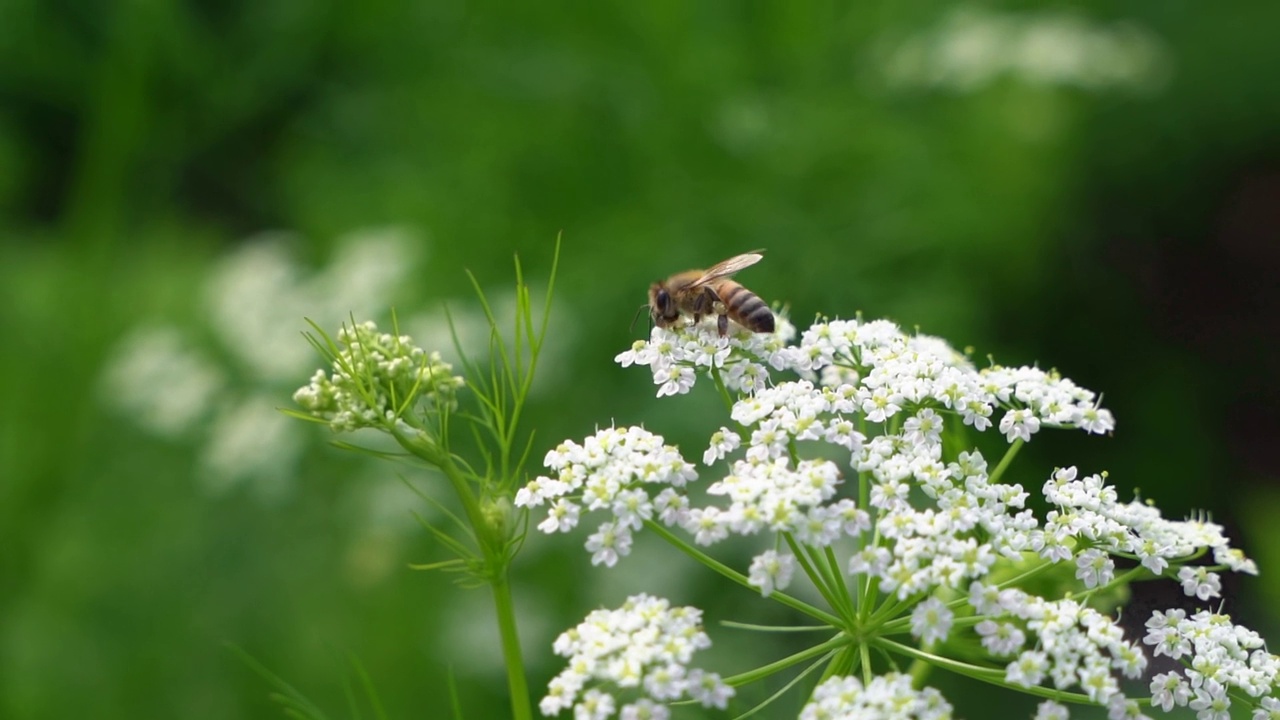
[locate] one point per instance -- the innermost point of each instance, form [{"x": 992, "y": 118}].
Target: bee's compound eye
[{"x": 663, "y": 300}]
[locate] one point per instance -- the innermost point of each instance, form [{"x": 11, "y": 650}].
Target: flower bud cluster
[
  {"x": 375, "y": 379},
  {"x": 643, "y": 647}
]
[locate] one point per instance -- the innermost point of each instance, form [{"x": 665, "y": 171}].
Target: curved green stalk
[{"x": 743, "y": 580}]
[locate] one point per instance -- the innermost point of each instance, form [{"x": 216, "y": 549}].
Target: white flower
[
  {"x": 1019, "y": 425},
  {"x": 771, "y": 570},
  {"x": 924, "y": 428},
  {"x": 595, "y": 705},
  {"x": 610, "y": 542},
  {"x": 723, "y": 441},
  {"x": 931, "y": 621},
  {"x": 640, "y": 353},
  {"x": 751, "y": 410},
  {"x": 644, "y": 709},
  {"x": 707, "y": 525},
  {"x": 1096, "y": 420},
  {"x": 1200, "y": 582},
  {"x": 1120, "y": 707},
  {"x": 1168, "y": 690},
  {"x": 562, "y": 517},
  {"x": 1210, "y": 701},
  {"x": 1268, "y": 709},
  {"x": 1224, "y": 659},
  {"x": 708, "y": 689},
  {"x": 1028, "y": 670},
  {"x": 673, "y": 380},
  {"x": 1000, "y": 638},
  {"x": 1051, "y": 710},
  {"x": 880, "y": 403},
  {"x": 1094, "y": 567},
  {"x": 1234, "y": 559}
]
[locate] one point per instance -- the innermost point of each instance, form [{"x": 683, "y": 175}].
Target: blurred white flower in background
[
  {"x": 159, "y": 381},
  {"x": 256, "y": 300},
  {"x": 257, "y": 297},
  {"x": 250, "y": 440},
  {"x": 973, "y": 48}
]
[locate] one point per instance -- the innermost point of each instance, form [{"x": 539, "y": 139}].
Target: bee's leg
[
  {"x": 703, "y": 305},
  {"x": 722, "y": 324}
]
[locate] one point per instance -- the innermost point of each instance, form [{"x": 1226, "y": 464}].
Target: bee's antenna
[{"x": 636, "y": 317}]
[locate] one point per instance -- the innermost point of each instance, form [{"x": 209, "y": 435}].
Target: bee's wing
[{"x": 727, "y": 268}]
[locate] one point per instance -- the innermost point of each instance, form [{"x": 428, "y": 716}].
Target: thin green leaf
[
  {"x": 296, "y": 704},
  {"x": 448, "y": 540},
  {"x": 300, "y": 415},
  {"x": 454, "y": 700},
  {"x": 370, "y": 692},
  {"x": 445, "y": 565}
]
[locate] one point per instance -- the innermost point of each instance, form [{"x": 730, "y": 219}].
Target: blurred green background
[{"x": 1080, "y": 186}]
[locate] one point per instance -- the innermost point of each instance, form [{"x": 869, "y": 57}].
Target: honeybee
[{"x": 705, "y": 292}]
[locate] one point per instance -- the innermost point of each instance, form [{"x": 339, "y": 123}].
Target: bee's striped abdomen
[{"x": 745, "y": 307}]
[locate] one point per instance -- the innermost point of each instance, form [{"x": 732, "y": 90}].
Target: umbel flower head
[
  {"x": 845, "y": 457},
  {"x": 376, "y": 379}
]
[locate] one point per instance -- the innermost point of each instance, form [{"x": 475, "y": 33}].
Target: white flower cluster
[
  {"x": 375, "y": 377},
  {"x": 644, "y": 646},
  {"x": 873, "y": 401},
  {"x": 886, "y": 697},
  {"x": 1090, "y": 515},
  {"x": 675, "y": 355},
  {"x": 882, "y": 367},
  {"x": 973, "y": 48},
  {"x": 610, "y": 471},
  {"x": 1220, "y": 659},
  {"x": 1071, "y": 644}
]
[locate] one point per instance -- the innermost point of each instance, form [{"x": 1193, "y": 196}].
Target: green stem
[
  {"x": 839, "y": 587},
  {"x": 743, "y": 580},
  {"x": 1004, "y": 461},
  {"x": 994, "y": 676},
  {"x": 517, "y": 684},
  {"x": 919, "y": 672},
  {"x": 724, "y": 391},
  {"x": 819, "y": 580},
  {"x": 764, "y": 671}
]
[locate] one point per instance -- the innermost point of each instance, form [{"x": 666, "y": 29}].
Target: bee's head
[{"x": 662, "y": 307}]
